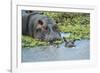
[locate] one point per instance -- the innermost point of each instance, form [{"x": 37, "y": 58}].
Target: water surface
[{"x": 54, "y": 53}]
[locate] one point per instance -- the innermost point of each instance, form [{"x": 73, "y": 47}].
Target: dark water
[{"x": 53, "y": 53}]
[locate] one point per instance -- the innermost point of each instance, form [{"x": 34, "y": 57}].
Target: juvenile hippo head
[
  {"x": 70, "y": 43},
  {"x": 39, "y": 26}
]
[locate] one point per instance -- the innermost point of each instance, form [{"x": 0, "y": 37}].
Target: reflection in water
[{"x": 52, "y": 53}]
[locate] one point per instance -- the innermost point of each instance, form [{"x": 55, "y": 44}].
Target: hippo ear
[
  {"x": 74, "y": 40},
  {"x": 40, "y": 22},
  {"x": 64, "y": 39}
]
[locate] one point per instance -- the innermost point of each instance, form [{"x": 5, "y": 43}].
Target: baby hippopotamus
[{"x": 70, "y": 43}]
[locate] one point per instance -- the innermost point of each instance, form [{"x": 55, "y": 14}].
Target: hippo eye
[{"x": 40, "y": 22}]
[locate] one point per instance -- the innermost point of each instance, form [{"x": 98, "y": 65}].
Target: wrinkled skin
[
  {"x": 39, "y": 26},
  {"x": 70, "y": 43}
]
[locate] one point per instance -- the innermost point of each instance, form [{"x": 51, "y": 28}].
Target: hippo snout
[{"x": 53, "y": 36}]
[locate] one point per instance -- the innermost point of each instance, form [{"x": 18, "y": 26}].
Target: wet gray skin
[{"x": 39, "y": 26}]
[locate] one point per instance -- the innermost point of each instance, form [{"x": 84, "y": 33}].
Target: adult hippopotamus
[{"x": 39, "y": 26}]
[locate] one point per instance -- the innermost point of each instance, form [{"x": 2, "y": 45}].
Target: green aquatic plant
[
  {"x": 77, "y": 31},
  {"x": 57, "y": 41},
  {"x": 28, "y": 41}
]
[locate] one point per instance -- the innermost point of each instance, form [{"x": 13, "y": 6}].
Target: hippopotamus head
[
  {"x": 69, "y": 43},
  {"x": 39, "y": 26},
  {"x": 45, "y": 28}
]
